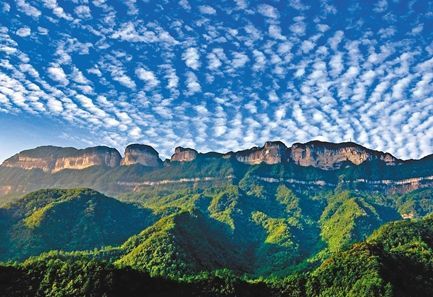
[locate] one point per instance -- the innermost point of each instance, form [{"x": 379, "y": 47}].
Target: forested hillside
[{"x": 395, "y": 261}]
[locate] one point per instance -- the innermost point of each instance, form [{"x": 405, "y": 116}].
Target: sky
[{"x": 216, "y": 75}]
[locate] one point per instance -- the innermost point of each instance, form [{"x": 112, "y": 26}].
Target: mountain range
[
  {"x": 323, "y": 155},
  {"x": 314, "y": 163},
  {"x": 314, "y": 219}
]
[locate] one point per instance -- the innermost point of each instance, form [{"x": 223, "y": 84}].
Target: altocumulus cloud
[{"x": 223, "y": 76}]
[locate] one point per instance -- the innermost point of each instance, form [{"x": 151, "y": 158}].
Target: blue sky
[{"x": 216, "y": 75}]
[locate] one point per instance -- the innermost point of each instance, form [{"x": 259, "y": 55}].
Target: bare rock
[
  {"x": 273, "y": 152},
  {"x": 141, "y": 154},
  {"x": 182, "y": 154},
  {"x": 54, "y": 159}
]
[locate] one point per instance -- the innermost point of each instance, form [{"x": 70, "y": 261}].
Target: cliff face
[
  {"x": 326, "y": 155},
  {"x": 182, "y": 154},
  {"x": 141, "y": 154},
  {"x": 318, "y": 154},
  {"x": 271, "y": 153},
  {"x": 323, "y": 155},
  {"x": 98, "y": 156},
  {"x": 26, "y": 162},
  {"x": 212, "y": 168},
  {"x": 54, "y": 159}
]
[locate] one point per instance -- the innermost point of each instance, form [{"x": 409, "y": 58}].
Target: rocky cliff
[
  {"x": 273, "y": 152},
  {"x": 54, "y": 159},
  {"x": 182, "y": 154},
  {"x": 377, "y": 170},
  {"x": 141, "y": 154},
  {"x": 326, "y": 155}
]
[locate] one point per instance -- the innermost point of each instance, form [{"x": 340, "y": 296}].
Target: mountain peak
[
  {"x": 141, "y": 154},
  {"x": 182, "y": 154},
  {"x": 320, "y": 154},
  {"x": 329, "y": 155},
  {"x": 53, "y": 159},
  {"x": 273, "y": 152}
]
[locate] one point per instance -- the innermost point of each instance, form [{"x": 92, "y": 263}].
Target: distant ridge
[
  {"x": 314, "y": 164},
  {"x": 323, "y": 155}
]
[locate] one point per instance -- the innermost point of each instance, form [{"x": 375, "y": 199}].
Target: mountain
[
  {"x": 253, "y": 229},
  {"x": 313, "y": 164},
  {"x": 323, "y": 155},
  {"x": 53, "y": 159},
  {"x": 395, "y": 261},
  {"x": 314, "y": 219},
  {"x": 141, "y": 154},
  {"x": 182, "y": 244},
  {"x": 318, "y": 154},
  {"x": 68, "y": 220}
]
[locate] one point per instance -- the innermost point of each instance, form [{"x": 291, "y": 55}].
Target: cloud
[
  {"x": 6, "y": 7},
  {"x": 185, "y": 4},
  {"x": 57, "y": 10},
  {"x": 135, "y": 132},
  {"x": 213, "y": 61},
  {"x": 387, "y": 32},
  {"x": 83, "y": 11},
  {"x": 298, "y": 5},
  {"x": 260, "y": 60},
  {"x": 336, "y": 39},
  {"x": 192, "y": 84},
  {"x": 307, "y": 46},
  {"x": 381, "y": 6},
  {"x": 132, "y": 8},
  {"x": 299, "y": 26},
  {"x": 417, "y": 29},
  {"x": 191, "y": 58},
  {"x": 173, "y": 79},
  {"x": 275, "y": 32},
  {"x": 399, "y": 88},
  {"x": 230, "y": 75},
  {"x": 124, "y": 80},
  {"x": 239, "y": 60},
  {"x": 268, "y": 11},
  {"x": 57, "y": 74},
  {"x": 147, "y": 76},
  {"x": 336, "y": 64},
  {"x": 28, "y": 9},
  {"x": 132, "y": 32},
  {"x": 55, "y": 105},
  {"x": 206, "y": 9},
  {"x": 43, "y": 31},
  {"x": 322, "y": 27},
  {"x": 24, "y": 32}
]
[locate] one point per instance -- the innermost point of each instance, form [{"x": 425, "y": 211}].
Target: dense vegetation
[
  {"x": 114, "y": 181},
  {"x": 397, "y": 260},
  {"x": 218, "y": 241},
  {"x": 70, "y": 220}
]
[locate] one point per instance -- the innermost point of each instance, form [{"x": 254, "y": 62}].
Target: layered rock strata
[{"x": 141, "y": 154}]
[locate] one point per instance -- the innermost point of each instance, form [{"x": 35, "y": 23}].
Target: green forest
[{"x": 245, "y": 239}]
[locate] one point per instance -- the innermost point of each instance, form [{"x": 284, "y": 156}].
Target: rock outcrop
[
  {"x": 326, "y": 155},
  {"x": 273, "y": 152},
  {"x": 182, "y": 154},
  {"x": 54, "y": 159},
  {"x": 141, "y": 154}
]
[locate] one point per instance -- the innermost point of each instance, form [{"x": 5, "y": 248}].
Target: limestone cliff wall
[
  {"x": 54, "y": 159},
  {"x": 182, "y": 154},
  {"x": 270, "y": 153},
  {"x": 141, "y": 154},
  {"x": 331, "y": 156}
]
